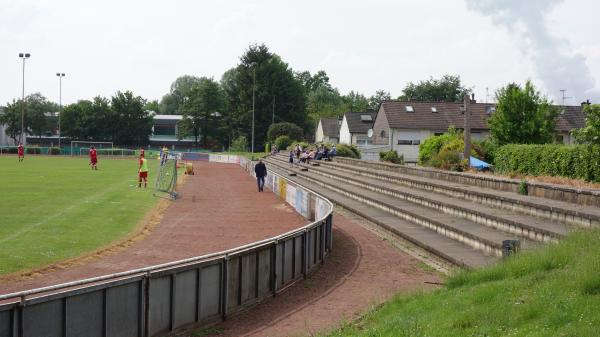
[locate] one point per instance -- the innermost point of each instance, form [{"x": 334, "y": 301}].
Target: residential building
[
  {"x": 355, "y": 127},
  {"x": 403, "y": 125},
  {"x": 328, "y": 130}
]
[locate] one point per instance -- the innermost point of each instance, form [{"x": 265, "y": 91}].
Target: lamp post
[
  {"x": 253, "y": 100},
  {"x": 22, "y": 139},
  {"x": 60, "y": 76}
]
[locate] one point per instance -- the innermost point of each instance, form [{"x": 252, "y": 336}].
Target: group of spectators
[{"x": 321, "y": 152}]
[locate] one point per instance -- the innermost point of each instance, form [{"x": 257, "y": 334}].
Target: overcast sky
[{"x": 142, "y": 46}]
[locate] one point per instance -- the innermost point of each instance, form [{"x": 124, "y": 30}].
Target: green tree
[
  {"x": 277, "y": 92},
  {"x": 590, "y": 134},
  {"x": 522, "y": 116},
  {"x": 355, "y": 102},
  {"x": 172, "y": 103},
  {"x": 202, "y": 110},
  {"x": 153, "y": 106},
  {"x": 284, "y": 129},
  {"x": 324, "y": 102},
  {"x": 446, "y": 89},
  {"x": 378, "y": 98},
  {"x": 133, "y": 123},
  {"x": 38, "y": 119}
]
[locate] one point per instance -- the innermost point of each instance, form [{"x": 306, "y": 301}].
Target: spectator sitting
[
  {"x": 303, "y": 157},
  {"x": 326, "y": 153},
  {"x": 333, "y": 152}
]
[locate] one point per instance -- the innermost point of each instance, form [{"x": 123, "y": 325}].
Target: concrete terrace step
[
  {"x": 483, "y": 238},
  {"x": 560, "y": 211},
  {"x": 520, "y": 224},
  {"x": 447, "y": 248}
]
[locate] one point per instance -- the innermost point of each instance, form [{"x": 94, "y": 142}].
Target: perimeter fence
[{"x": 158, "y": 300}]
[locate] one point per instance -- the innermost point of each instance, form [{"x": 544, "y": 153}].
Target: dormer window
[
  {"x": 433, "y": 110},
  {"x": 382, "y": 134},
  {"x": 409, "y": 108}
]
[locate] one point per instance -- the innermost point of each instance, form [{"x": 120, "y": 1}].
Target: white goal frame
[{"x": 90, "y": 143}]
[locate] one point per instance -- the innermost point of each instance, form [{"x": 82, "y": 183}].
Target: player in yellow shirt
[{"x": 143, "y": 172}]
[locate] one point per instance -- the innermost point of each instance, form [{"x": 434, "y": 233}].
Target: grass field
[
  {"x": 52, "y": 209},
  {"x": 554, "y": 291}
]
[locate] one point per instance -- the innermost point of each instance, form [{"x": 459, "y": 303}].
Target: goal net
[
  {"x": 82, "y": 147},
  {"x": 166, "y": 179}
]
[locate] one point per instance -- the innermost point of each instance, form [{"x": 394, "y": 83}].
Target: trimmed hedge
[
  {"x": 577, "y": 161},
  {"x": 349, "y": 151},
  {"x": 391, "y": 157}
]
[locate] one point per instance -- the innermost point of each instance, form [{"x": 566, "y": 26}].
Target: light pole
[
  {"x": 22, "y": 139},
  {"x": 60, "y": 76},
  {"x": 253, "y": 99}
]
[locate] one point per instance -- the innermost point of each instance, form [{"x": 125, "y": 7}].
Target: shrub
[
  {"x": 283, "y": 142},
  {"x": 33, "y": 150},
  {"x": 277, "y": 130},
  {"x": 350, "y": 151},
  {"x": 391, "y": 157},
  {"x": 449, "y": 160},
  {"x": 303, "y": 145},
  {"x": 522, "y": 189},
  {"x": 578, "y": 161},
  {"x": 54, "y": 150},
  {"x": 240, "y": 144}
]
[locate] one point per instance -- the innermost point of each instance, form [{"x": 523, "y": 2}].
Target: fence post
[
  {"x": 305, "y": 254},
  {"x": 225, "y": 286}
]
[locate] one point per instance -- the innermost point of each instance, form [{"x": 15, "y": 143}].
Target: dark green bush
[
  {"x": 54, "y": 150},
  {"x": 448, "y": 160},
  {"x": 391, "y": 157},
  {"x": 350, "y": 151},
  {"x": 578, "y": 161},
  {"x": 283, "y": 142},
  {"x": 523, "y": 188},
  {"x": 284, "y": 129}
]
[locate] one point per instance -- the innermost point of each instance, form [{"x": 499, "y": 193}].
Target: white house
[
  {"x": 328, "y": 130},
  {"x": 404, "y": 125},
  {"x": 355, "y": 126}
]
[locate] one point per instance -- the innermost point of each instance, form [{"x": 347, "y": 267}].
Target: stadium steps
[
  {"x": 554, "y": 210},
  {"x": 486, "y": 239},
  {"x": 449, "y": 249},
  {"x": 522, "y": 225}
]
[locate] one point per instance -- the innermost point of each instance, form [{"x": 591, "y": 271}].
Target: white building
[
  {"x": 355, "y": 126},
  {"x": 328, "y": 130}
]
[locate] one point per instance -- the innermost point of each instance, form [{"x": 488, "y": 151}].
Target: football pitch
[{"x": 53, "y": 208}]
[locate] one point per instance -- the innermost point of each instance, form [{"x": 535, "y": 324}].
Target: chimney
[
  {"x": 587, "y": 102},
  {"x": 473, "y": 98}
]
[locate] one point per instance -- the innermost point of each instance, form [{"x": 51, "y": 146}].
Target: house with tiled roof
[
  {"x": 404, "y": 125},
  {"x": 328, "y": 130},
  {"x": 355, "y": 127}
]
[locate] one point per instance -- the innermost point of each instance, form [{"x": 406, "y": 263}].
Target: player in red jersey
[
  {"x": 93, "y": 158},
  {"x": 21, "y": 152},
  {"x": 143, "y": 172}
]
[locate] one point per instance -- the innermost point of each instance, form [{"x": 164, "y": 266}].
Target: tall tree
[
  {"x": 446, "y": 89},
  {"x": 172, "y": 103},
  {"x": 522, "y": 116},
  {"x": 134, "y": 122},
  {"x": 202, "y": 110},
  {"x": 355, "y": 102},
  {"x": 380, "y": 96},
  {"x": 38, "y": 116},
  {"x": 278, "y": 93}
]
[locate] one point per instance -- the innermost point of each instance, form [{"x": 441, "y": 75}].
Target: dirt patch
[
  {"x": 362, "y": 271},
  {"x": 220, "y": 209}
]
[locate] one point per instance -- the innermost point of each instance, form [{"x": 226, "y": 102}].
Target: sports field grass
[
  {"x": 53, "y": 208},
  {"x": 553, "y": 291}
]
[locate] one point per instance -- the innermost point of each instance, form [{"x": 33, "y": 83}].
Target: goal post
[
  {"x": 77, "y": 145},
  {"x": 166, "y": 179}
]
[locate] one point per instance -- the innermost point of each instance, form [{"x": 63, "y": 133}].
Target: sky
[{"x": 143, "y": 46}]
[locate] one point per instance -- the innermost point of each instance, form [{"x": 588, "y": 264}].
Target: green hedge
[
  {"x": 349, "y": 151},
  {"x": 577, "y": 161}
]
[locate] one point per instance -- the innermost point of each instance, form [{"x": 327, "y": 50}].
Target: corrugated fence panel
[
  {"x": 298, "y": 256},
  {"x": 264, "y": 272},
  {"x": 210, "y": 283},
  {"x": 288, "y": 261},
  {"x": 6, "y": 323},
  {"x": 123, "y": 310},
  {"x": 85, "y": 314},
  {"x": 160, "y": 305},
  {"x": 186, "y": 288},
  {"x": 234, "y": 284},
  {"x": 248, "y": 286},
  {"x": 44, "y": 319}
]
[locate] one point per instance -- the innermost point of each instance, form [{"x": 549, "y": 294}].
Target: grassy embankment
[
  {"x": 54, "y": 208},
  {"x": 554, "y": 291}
]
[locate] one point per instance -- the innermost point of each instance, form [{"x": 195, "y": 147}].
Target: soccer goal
[
  {"x": 81, "y": 147},
  {"x": 166, "y": 180}
]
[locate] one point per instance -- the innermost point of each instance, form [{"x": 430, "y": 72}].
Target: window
[
  {"x": 438, "y": 133},
  {"x": 489, "y": 109},
  {"x": 382, "y": 134},
  {"x": 433, "y": 109},
  {"x": 462, "y": 109},
  {"x": 404, "y": 142},
  {"x": 409, "y": 108},
  {"x": 366, "y": 118},
  {"x": 164, "y": 130},
  {"x": 416, "y": 142}
]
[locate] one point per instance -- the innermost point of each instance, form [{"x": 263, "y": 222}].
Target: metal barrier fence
[{"x": 157, "y": 300}]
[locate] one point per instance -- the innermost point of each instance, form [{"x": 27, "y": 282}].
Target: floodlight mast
[
  {"x": 60, "y": 76},
  {"x": 22, "y": 139}
]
